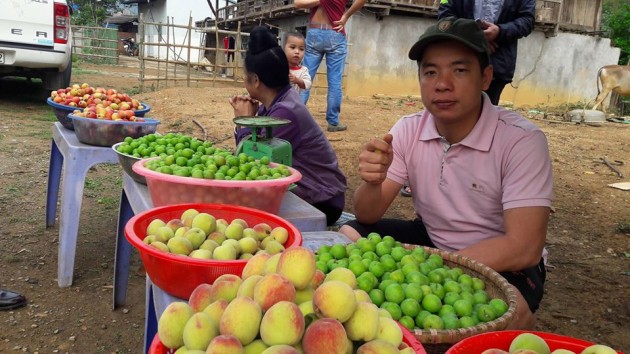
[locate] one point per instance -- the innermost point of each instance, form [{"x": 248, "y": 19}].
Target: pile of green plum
[
  {"x": 413, "y": 285},
  {"x": 184, "y": 156},
  {"x": 153, "y": 145}
]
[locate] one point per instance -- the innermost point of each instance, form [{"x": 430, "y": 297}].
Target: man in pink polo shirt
[{"x": 480, "y": 174}]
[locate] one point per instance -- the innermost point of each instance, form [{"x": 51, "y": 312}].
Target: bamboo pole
[
  {"x": 155, "y": 60},
  {"x": 96, "y": 28},
  {"x": 188, "y": 57},
  {"x": 142, "y": 49},
  {"x": 212, "y": 29},
  {"x": 237, "y": 51},
  {"x": 172, "y": 24},
  {"x": 95, "y": 56},
  {"x": 98, "y": 48},
  {"x": 216, "y": 53},
  {"x": 168, "y": 39},
  {"x": 175, "y": 56},
  {"x": 201, "y": 79},
  {"x": 95, "y": 39},
  {"x": 156, "y": 44}
]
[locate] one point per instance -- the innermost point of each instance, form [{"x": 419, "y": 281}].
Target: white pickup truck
[{"x": 35, "y": 41}]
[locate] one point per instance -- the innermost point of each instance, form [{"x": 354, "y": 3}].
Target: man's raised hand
[{"x": 375, "y": 159}]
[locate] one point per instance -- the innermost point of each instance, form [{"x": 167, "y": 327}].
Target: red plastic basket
[
  {"x": 503, "y": 339},
  {"x": 180, "y": 275},
  {"x": 408, "y": 338},
  {"x": 167, "y": 189},
  {"x": 411, "y": 340}
]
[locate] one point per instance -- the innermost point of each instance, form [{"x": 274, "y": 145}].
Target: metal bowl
[
  {"x": 126, "y": 161},
  {"x": 102, "y": 132},
  {"x": 61, "y": 112}
]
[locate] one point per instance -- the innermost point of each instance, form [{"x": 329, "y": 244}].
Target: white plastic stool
[{"x": 76, "y": 159}]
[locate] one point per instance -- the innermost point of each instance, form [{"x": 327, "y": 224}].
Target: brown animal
[{"x": 614, "y": 78}]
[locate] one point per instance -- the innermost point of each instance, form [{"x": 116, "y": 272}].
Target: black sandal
[{"x": 405, "y": 191}]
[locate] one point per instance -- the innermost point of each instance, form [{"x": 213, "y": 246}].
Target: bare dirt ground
[{"x": 587, "y": 294}]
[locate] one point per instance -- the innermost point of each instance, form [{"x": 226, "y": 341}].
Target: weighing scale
[{"x": 258, "y": 145}]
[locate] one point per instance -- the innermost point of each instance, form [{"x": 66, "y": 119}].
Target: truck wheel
[{"x": 57, "y": 80}]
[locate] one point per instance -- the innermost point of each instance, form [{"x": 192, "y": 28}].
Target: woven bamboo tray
[{"x": 439, "y": 341}]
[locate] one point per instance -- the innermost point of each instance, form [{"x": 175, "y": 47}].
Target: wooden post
[
  {"x": 216, "y": 52},
  {"x": 188, "y": 58},
  {"x": 175, "y": 56},
  {"x": 141, "y": 39},
  {"x": 168, "y": 40},
  {"x": 598, "y": 15},
  {"x": 237, "y": 50}
]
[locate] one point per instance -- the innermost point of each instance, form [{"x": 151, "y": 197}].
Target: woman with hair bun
[{"x": 270, "y": 94}]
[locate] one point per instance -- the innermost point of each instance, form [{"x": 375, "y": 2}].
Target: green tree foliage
[
  {"x": 92, "y": 12},
  {"x": 616, "y": 19}
]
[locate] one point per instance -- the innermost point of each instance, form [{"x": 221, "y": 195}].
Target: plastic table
[
  {"x": 157, "y": 299},
  {"x": 135, "y": 198},
  {"x": 74, "y": 158}
]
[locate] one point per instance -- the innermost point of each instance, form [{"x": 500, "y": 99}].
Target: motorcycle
[{"x": 130, "y": 46}]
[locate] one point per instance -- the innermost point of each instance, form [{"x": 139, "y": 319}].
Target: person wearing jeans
[
  {"x": 326, "y": 36},
  {"x": 503, "y": 23}
]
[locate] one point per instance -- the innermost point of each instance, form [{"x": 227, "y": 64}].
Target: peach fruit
[
  {"x": 205, "y": 222},
  {"x": 216, "y": 309},
  {"x": 225, "y": 344},
  {"x": 304, "y": 295},
  {"x": 529, "y": 341},
  {"x": 225, "y": 287},
  {"x": 363, "y": 324},
  {"x": 200, "y": 297},
  {"x": 179, "y": 245},
  {"x": 283, "y": 323},
  {"x": 199, "y": 331},
  {"x": 196, "y": 236},
  {"x": 318, "y": 279},
  {"x": 241, "y": 319},
  {"x": 271, "y": 265},
  {"x": 271, "y": 289},
  {"x": 172, "y": 322},
  {"x": 281, "y": 349},
  {"x": 377, "y": 346},
  {"x": 388, "y": 330},
  {"x": 154, "y": 225},
  {"x": 325, "y": 335},
  {"x": 342, "y": 274},
  {"x": 280, "y": 234},
  {"x": 298, "y": 265},
  {"x": 255, "y": 347},
  {"x": 334, "y": 299},
  {"x": 256, "y": 265},
  {"x": 175, "y": 224},
  {"x": 247, "y": 286}
]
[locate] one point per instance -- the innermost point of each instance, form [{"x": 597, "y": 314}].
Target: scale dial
[{"x": 260, "y": 122}]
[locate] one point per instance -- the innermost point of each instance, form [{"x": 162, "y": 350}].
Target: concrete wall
[
  {"x": 158, "y": 11},
  {"x": 554, "y": 70},
  {"x": 559, "y": 69}
]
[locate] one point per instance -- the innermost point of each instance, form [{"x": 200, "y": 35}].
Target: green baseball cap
[{"x": 463, "y": 30}]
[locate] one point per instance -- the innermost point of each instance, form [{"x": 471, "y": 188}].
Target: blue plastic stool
[
  {"x": 78, "y": 158},
  {"x": 134, "y": 199}
]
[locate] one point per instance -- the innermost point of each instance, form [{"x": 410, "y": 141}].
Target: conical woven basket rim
[{"x": 474, "y": 268}]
